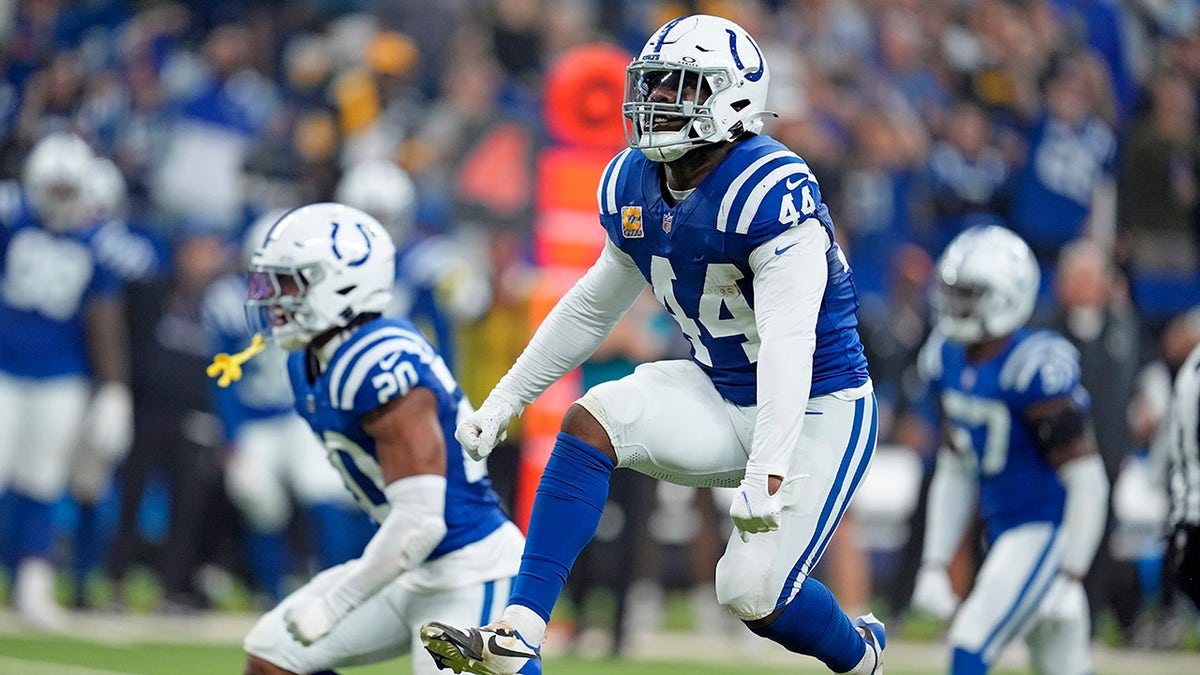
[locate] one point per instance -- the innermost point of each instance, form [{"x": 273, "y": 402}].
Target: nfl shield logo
[{"x": 668, "y": 221}]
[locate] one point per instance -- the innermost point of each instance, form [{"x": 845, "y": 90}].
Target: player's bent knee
[
  {"x": 580, "y": 423},
  {"x": 741, "y": 588}
]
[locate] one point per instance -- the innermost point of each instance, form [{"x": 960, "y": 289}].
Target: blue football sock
[
  {"x": 88, "y": 544},
  {"x": 566, "y": 511},
  {"x": 967, "y": 663},
  {"x": 813, "y": 624},
  {"x": 34, "y": 526},
  {"x": 266, "y": 553}
]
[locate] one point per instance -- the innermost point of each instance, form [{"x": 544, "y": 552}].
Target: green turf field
[{"x": 26, "y": 655}]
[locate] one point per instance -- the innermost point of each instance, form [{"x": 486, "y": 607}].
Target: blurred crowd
[{"x": 1073, "y": 122}]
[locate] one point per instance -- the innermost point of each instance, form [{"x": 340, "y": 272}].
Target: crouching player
[{"x": 385, "y": 406}]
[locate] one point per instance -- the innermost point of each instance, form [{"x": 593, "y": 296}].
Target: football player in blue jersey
[
  {"x": 273, "y": 455},
  {"x": 63, "y": 354},
  {"x": 1016, "y": 437},
  {"x": 385, "y": 407},
  {"x": 729, "y": 230}
]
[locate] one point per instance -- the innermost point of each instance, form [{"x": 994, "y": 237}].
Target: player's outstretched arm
[
  {"x": 948, "y": 513},
  {"x": 573, "y": 330},
  {"x": 412, "y": 455}
]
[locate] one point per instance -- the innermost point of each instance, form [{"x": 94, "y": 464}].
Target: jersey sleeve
[
  {"x": 1044, "y": 366},
  {"x": 612, "y": 217},
  {"x": 387, "y": 368},
  {"x": 771, "y": 194}
]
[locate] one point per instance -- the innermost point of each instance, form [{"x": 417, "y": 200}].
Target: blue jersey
[
  {"x": 46, "y": 279},
  {"x": 696, "y": 257},
  {"x": 1054, "y": 188},
  {"x": 263, "y": 392},
  {"x": 983, "y": 408},
  {"x": 384, "y": 360}
]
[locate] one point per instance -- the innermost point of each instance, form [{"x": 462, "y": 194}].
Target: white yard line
[{"x": 14, "y": 666}]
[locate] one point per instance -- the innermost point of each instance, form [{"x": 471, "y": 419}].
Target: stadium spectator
[{"x": 1093, "y": 313}]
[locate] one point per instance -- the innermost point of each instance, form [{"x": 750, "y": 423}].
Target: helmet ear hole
[
  {"x": 739, "y": 105},
  {"x": 346, "y": 291}
]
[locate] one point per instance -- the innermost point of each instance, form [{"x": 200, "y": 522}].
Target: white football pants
[
  {"x": 466, "y": 587},
  {"x": 40, "y": 423},
  {"x": 666, "y": 420},
  {"x": 1020, "y": 567}
]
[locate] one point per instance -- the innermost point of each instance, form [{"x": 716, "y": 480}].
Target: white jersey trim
[
  {"x": 368, "y": 361},
  {"x": 759, "y": 193},
  {"x": 606, "y": 193},
  {"x": 736, "y": 186},
  {"x": 336, "y": 377},
  {"x": 1046, "y": 354}
]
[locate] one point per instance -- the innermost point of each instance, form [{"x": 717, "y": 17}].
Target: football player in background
[
  {"x": 64, "y": 358},
  {"x": 385, "y": 406},
  {"x": 132, "y": 256},
  {"x": 273, "y": 455},
  {"x": 437, "y": 285},
  {"x": 1016, "y": 437},
  {"x": 729, "y": 230}
]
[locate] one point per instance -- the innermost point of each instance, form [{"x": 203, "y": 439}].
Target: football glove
[
  {"x": 108, "y": 423},
  {"x": 308, "y": 620},
  {"x": 933, "y": 593},
  {"x": 1066, "y": 601},
  {"x": 480, "y": 431},
  {"x": 754, "y": 510}
]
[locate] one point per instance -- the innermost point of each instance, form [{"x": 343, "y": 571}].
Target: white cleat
[
  {"x": 494, "y": 649},
  {"x": 873, "y": 632}
]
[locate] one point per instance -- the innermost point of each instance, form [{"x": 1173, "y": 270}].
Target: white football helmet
[
  {"x": 54, "y": 175},
  {"x": 986, "y": 285},
  {"x": 318, "y": 268},
  {"x": 256, "y": 234},
  {"x": 717, "y": 76},
  {"x": 105, "y": 189},
  {"x": 384, "y": 190}
]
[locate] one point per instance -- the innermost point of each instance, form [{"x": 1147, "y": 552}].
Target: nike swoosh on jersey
[
  {"x": 781, "y": 251},
  {"x": 792, "y": 186}
]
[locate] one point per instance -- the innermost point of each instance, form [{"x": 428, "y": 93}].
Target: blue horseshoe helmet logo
[
  {"x": 338, "y": 254},
  {"x": 737, "y": 60}
]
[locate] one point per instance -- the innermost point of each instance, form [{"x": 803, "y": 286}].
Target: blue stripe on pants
[
  {"x": 489, "y": 597},
  {"x": 830, "y": 503},
  {"x": 1007, "y": 625}
]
